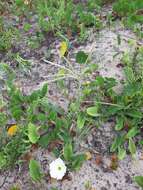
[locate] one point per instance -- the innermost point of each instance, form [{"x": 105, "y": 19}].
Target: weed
[
  {"x": 139, "y": 180},
  {"x": 126, "y": 107},
  {"x": 131, "y": 10}
]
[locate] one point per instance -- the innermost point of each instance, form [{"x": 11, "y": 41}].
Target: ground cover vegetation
[{"x": 32, "y": 121}]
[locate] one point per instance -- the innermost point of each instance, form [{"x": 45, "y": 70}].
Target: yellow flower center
[{"x": 59, "y": 168}]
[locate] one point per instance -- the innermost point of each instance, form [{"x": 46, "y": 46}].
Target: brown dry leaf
[
  {"x": 114, "y": 157},
  {"x": 69, "y": 33},
  {"x": 114, "y": 165},
  {"x": 54, "y": 144},
  {"x": 52, "y": 180},
  {"x": 1, "y": 131},
  {"x": 67, "y": 177},
  {"x": 27, "y": 156},
  {"x": 98, "y": 160},
  {"x": 139, "y": 12},
  {"x": 141, "y": 156},
  {"x": 34, "y": 147},
  {"x": 114, "y": 162},
  {"x": 92, "y": 188}
]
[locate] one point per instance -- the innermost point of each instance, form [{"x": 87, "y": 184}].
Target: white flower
[{"x": 57, "y": 169}]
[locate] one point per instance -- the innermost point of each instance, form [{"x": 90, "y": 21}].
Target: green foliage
[
  {"x": 121, "y": 153},
  {"x": 7, "y": 37},
  {"x": 2, "y": 160},
  {"x": 139, "y": 180},
  {"x": 39, "y": 122},
  {"x": 81, "y": 119},
  {"x": 61, "y": 15},
  {"x": 33, "y": 133},
  {"x": 53, "y": 188},
  {"x": 125, "y": 107},
  {"x": 132, "y": 146},
  {"x": 81, "y": 57},
  {"x": 93, "y": 111},
  {"x": 35, "y": 171},
  {"x": 131, "y": 10},
  {"x": 68, "y": 152},
  {"x": 77, "y": 161},
  {"x": 15, "y": 187}
]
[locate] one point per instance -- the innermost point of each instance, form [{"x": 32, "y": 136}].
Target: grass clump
[{"x": 130, "y": 10}]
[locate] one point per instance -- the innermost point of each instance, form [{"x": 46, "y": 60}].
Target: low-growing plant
[
  {"x": 139, "y": 180},
  {"x": 125, "y": 107},
  {"x": 131, "y": 10},
  {"x": 7, "y": 37},
  {"x": 32, "y": 119},
  {"x": 65, "y": 16}
]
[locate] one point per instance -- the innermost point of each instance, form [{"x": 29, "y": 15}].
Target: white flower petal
[{"x": 57, "y": 169}]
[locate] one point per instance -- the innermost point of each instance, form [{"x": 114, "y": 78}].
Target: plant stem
[
  {"x": 104, "y": 103},
  {"x": 60, "y": 66}
]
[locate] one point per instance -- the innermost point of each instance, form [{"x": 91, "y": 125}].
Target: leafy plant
[
  {"x": 7, "y": 37},
  {"x": 125, "y": 107},
  {"x": 37, "y": 121},
  {"x": 33, "y": 133},
  {"x": 139, "y": 180},
  {"x": 35, "y": 172},
  {"x": 131, "y": 10}
]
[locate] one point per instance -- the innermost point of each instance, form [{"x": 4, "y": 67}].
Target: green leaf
[
  {"x": 81, "y": 57},
  {"x": 93, "y": 111},
  {"x": 112, "y": 110},
  {"x": 129, "y": 74},
  {"x": 19, "y": 2},
  {"x": 35, "y": 171},
  {"x": 33, "y": 133},
  {"x": 34, "y": 96},
  {"x": 139, "y": 180},
  {"x": 90, "y": 69},
  {"x": 45, "y": 140},
  {"x": 116, "y": 143},
  {"x": 132, "y": 147},
  {"x": 120, "y": 123},
  {"x": 2, "y": 160},
  {"x": 119, "y": 39},
  {"x": 42, "y": 117},
  {"x": 121, "y": 153},
  {"x": 134, "y": 113},
  {"x": 68, "y": 152},
  {"x": 43, "y": 91},
  {"x": 53, "y": 188},
  {"x": 77, "y": 161},
  {"x": 16, "y": 112},
  {"x": 99, "y": 81},
  {"x": 80, "y": 121},
  {"x": 132, "y": 89},
  {"x": 132, "y": 132}
]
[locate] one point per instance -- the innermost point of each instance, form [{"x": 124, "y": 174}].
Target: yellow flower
[
  {"x": 88, "y": 156},
  {"x": 63, "y": 48},
  {"x": 12, "y": 130}
]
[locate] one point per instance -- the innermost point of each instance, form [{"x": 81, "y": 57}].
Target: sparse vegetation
[{"x": 31, "y": 121}]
